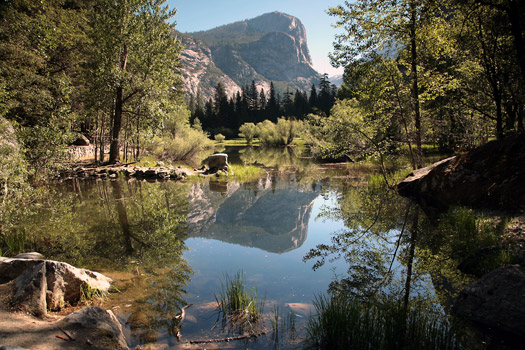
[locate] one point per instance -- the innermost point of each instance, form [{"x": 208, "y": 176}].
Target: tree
[
  {"x": 272, "y": 109},
  {"x": 326, "y": 96},
  {"x": 312, "y": 99},
  {"x": 135, "y": 58},
  {"x": 43, "y": 46},
  {"x": 248, "y": 131},
  {"x": 386, "y": 27}
]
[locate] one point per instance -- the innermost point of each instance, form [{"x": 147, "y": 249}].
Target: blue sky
[{"x": 195, "y": 15}]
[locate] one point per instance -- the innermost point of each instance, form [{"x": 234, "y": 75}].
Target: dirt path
[{"x": 26, "y": 331}]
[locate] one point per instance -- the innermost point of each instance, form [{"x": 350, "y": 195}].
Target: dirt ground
[{"x": 20, "y": 329}]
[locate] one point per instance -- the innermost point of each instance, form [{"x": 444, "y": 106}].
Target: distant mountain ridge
[{"x": 270, "y": 47}]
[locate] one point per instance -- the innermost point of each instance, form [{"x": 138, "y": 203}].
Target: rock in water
[
  {"x": 496, "y": 300},
  {"x": 218, "y": 161},
  {"x": 491, "y": 176}
]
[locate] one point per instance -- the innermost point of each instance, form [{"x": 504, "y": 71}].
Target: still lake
[{"x": 172, "y": 244}]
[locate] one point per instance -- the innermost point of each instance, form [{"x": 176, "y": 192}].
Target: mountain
[
  {"x": 268, "y": 48},
  {"x": 337, "y": 80},
  {"x": 269, "y": 216}
]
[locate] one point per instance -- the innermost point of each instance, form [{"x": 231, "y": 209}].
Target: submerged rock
[
  {"x": 496, "y": 300},
  {"x": 491, "y": 176}
]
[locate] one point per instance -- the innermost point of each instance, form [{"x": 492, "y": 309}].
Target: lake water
[{"x": 298, "y": 232}]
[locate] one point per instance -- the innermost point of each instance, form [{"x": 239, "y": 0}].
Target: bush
[
  {"x": 248, "y": 131},
  {"x": 220, "y": 138},
  {"x": 187, "y": 144}
]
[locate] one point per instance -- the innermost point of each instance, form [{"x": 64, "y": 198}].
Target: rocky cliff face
[
  {"x": 271, "y": 47},
  {"x": 269, "y": 217}
]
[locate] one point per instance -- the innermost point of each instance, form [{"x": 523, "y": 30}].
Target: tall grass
[
  {"x": 246, "y": 172},
  {"x": 346, "y": 323},
  {"x": 238, "y": 306}
]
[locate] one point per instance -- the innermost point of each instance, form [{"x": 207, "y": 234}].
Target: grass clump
[
  {"x": 88, "y": 294},
  {"x": 246, "y": 172},
  {"x": 347, "y": 323},
  {"x": 238, "y": 306}
]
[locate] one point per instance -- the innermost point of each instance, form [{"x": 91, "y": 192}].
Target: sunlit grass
[
  {"x": 246, "y": 172},
  {"x": 238, "y": 305},
  {"x": 346, "y": 323}
]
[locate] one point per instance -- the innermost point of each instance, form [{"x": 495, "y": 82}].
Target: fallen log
[{"x": 228, "y": 339}]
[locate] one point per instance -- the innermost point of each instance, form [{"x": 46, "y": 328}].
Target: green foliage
[
  {"x": 248, "y": 131},
  {"x": 187, "y": 145},
  {"x": 239, "y": 307},
  {"x": 280, "y": 134},
  {"x": 88, "y": 294},
  {"x": 246, "y": 172},
  {"x": 343, "y": 323},
  {"x": 219, "y": 138}
]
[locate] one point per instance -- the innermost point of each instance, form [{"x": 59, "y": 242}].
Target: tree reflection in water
[
  {"x": 132, "y": 231},
  {"x": 386, "y": 283}
]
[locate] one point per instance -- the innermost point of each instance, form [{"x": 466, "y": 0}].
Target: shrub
[
  {"x": 187, "y": 144},
  {"x": 220, "y": 138},
  {"x": 248, "y": 131}
]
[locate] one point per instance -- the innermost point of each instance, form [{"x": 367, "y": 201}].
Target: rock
[
  {"x": 496, "y": 300},
  {"x": 81, "y": 141},
  {"x": 217, "y": 162},
  {"x": 95, "y": 318},
  {"x": 490, "y": 176},
  {"x": 30, "y": 290},
  {"x": 62, "y": 282},
  {"x": 30, "y": 255}
]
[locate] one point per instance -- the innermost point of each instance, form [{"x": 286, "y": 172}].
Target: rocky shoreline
[{"x": 115, "y": 171}]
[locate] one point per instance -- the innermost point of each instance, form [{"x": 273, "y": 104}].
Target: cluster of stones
[{"x": 137, "y": 172}]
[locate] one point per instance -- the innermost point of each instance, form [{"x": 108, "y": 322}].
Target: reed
[
  {"x": 238, "y": 305},
  {"x": 246, "y": 172},
  {"x": 347, "y": 323}
]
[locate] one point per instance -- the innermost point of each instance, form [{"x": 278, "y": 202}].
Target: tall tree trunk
[
  {"x": 415, "y": 88},
  {"x": 114, "y": 150},
  {"x": 513, "y": 11}
]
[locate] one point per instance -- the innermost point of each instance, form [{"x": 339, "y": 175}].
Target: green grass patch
[
  {"x": 347, "y": 323},
  {"x": 89, "y": 295},
  {"x": 239, "y": 306},
  {"x": 246, "y": 172}
]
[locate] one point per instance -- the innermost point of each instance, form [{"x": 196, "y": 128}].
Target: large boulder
[
  {"x": 30, "y": 290},
  {"x": 496, "y": 300},
  {"x": 490, "y": 176},
  {"x": 95, "y": 320},
  {"x": 217, "y": 162},
  {"x": 61, "y": 282}
]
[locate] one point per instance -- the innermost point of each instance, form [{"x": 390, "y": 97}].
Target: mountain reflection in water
[{"x": 268, "y": 214}]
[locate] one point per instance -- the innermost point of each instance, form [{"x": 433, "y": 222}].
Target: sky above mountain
[{"x": 196, "y": 15}]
